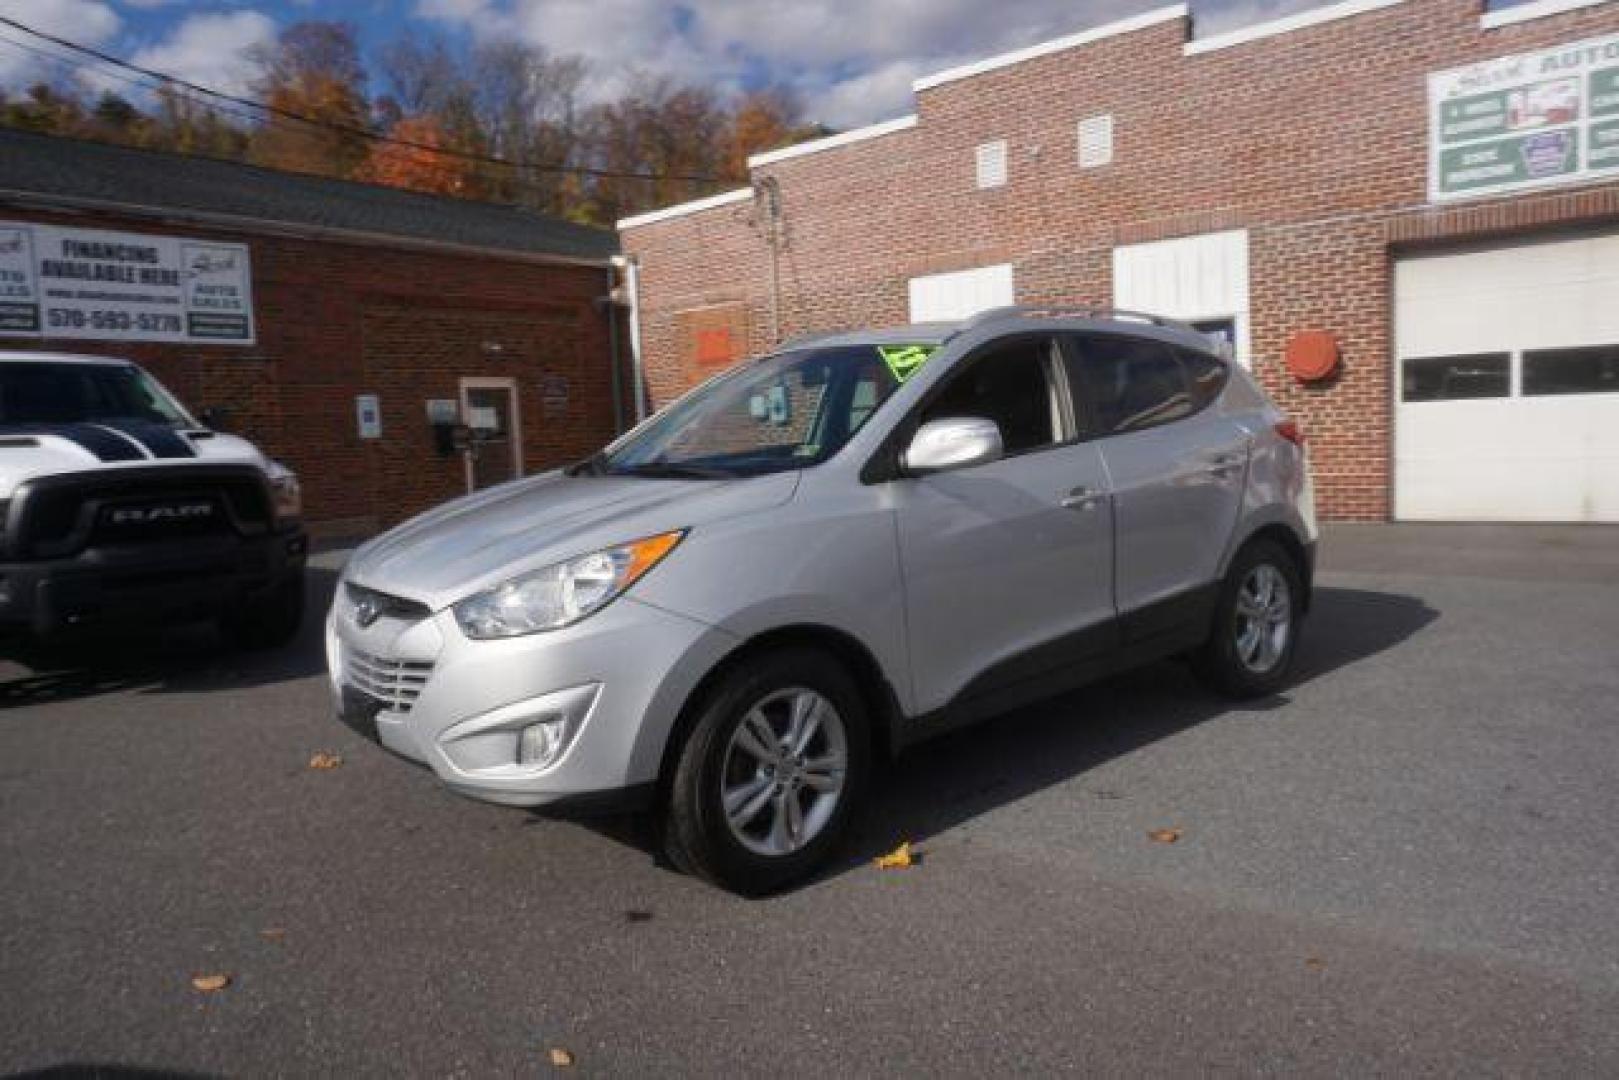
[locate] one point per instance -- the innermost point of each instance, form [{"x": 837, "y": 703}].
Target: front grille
[{"x": 393, "y": 684}]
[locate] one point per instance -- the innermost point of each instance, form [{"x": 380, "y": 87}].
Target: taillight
[{"x": 1290, "y": 430}]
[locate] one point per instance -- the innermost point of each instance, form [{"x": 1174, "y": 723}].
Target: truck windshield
[
  {"x": 54, "y": 393},
  {"x": 785, "y": 412}
]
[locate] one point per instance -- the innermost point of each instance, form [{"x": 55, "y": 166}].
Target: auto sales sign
[
  {"x": 1547, "y": 117},
  {"x": 96, "y": 285}
]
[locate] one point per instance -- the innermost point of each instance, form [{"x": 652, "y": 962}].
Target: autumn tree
[
  {"x": 180, "y": 124},
  {"x": 313, "y": 72},
  {"x": 416, "y": 160},
  {"x": 761, "y": 120}
]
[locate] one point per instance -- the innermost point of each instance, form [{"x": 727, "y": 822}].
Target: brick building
[
  {"x": 1434, "y": 187},
  {"x": 348, "y": 309}
]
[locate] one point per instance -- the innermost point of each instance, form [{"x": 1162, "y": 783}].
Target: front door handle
[{"x": 1083, "y": 498}]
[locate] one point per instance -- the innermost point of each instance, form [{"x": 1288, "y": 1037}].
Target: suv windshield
[
  {"x": 788, "y": 411},
  {"x": 53, "y": 393}
]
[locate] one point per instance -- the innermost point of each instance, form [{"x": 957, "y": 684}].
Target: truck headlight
[
  {"x": 561, "y": 594},
  {"x": 284, "y": 489}
]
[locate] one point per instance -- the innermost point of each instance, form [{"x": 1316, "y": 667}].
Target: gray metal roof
[{"x": 75, "y": 171}]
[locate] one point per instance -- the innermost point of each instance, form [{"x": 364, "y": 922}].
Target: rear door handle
[
  {"x": 1223, "y": 465},
  {"x": 1083, "y": 498}
]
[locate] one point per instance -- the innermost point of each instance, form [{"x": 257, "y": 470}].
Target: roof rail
[{"x": 1067, "y": 311}]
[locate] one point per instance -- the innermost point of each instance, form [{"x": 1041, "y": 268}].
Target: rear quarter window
[{"x": 1129, "y": 383}]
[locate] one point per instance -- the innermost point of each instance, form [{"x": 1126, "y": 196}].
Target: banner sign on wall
[
  {"x": 1525, "y": 121},
  {"x": 97, "y": 285}
]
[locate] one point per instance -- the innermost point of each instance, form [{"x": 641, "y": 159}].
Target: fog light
[{"x": 541, "y": 744}]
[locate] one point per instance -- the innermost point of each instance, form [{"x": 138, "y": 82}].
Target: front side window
[
  {"x": 1009, "y": 385},
  {"x": 788, "y": 411},
  {"x": 74, "y": 393},
  {"x": 1130, "y": 383}
]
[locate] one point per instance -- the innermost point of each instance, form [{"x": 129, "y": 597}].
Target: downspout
[
  {"x": 612, "y": 347},
  {"x": 632, "y": 281}
]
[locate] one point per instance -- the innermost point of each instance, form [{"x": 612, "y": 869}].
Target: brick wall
[
  {"x": 335, "y": 320},
  {"x": 1314, "y": 140}
]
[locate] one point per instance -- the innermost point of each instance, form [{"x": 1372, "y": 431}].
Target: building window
[
  {"x": 1096, "y": 141},
  {"x": 1452, "y": 378},
  {"x": 992, "y": 164},
  {"x": 1590, "y": 370}
]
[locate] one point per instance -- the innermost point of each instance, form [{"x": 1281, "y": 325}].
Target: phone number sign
[
  {"x": 98, "y": 285},
  {"x": 1548, "y": 117}
]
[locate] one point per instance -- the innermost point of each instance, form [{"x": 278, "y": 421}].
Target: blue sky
[{"x": 851, "y": 61}]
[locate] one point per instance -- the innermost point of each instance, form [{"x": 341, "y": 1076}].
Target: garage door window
[
  {"x": 1454, "y": 378},
  {"x": 1592, "y": 370}
]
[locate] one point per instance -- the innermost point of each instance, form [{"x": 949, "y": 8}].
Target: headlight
[
  {"x": 562, "y": 594},
  {"x": 288, "y": 496}
]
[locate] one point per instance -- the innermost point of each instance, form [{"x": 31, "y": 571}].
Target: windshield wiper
[
  {"x": 669, "y": 470},
  {"x": 594, "y": 465}
]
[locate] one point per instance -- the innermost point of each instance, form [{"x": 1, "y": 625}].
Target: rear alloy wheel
[
  {"x": 1250, "y": 648},
  {"x": 765, "y": 784}
]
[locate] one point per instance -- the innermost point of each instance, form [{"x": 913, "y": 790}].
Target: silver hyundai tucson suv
[{"x": 823, "y": 556}]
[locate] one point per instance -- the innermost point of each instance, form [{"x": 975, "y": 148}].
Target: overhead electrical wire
[{"x": 345, "y": 129}]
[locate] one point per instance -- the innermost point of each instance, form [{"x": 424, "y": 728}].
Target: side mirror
[
  {"x": 954, "y": 442},
  {"x": 214, "y": 418}
]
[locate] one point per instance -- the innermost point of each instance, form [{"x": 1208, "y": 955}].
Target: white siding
[
  {"x": 945, "y": 297},
  {"x": 1191, "y": 278},
  {"x": 1514, "y": 458}
]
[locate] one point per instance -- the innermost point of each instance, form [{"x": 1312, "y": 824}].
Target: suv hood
[
  {"x": 481, "y": 540},
  {"x": 31, "y": 450}
]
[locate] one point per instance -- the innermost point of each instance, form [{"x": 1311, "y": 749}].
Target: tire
[
  {"x": 728, "y": 759},
  {"x": 272, "y": 620},
  {"x": 1249, "y": 655}
]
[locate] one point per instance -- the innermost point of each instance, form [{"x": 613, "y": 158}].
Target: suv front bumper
[{"x": 616, "y": 682}]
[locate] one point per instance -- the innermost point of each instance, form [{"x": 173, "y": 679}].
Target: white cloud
[
  {"x": 209, "y": 49},
  {"x": 851, "y": 60},
  {"x": 84, "y": 21}
]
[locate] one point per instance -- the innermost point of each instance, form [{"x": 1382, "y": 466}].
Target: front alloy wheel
[
  {"x": 776, "y": 761},
  {"x": 783, "y": 774}
]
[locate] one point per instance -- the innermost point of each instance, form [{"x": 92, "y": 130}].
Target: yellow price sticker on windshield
[{"x": 905, "y": 360}]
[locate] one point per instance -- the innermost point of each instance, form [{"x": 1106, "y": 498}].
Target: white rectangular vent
[
  {"x": 992, "y": 164},
  {"x": 1096, "y": 141}
]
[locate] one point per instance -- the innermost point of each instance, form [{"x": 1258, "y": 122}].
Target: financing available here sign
[
  {"x": 1525, "y": 121},
  {"x": 97, "y": 285}
]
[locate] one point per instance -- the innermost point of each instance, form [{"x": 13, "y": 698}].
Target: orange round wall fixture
[{"x": 1312, "y": 355}]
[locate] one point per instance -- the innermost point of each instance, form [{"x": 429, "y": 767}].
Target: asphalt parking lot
[{"x": 1407, "y": 863}]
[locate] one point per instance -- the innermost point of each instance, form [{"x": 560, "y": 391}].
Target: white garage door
[{"x": 1508, "y": 385}]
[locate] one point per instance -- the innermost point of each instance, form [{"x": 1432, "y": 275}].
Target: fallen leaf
[
  {"x": 210, "y": 984},
  {"x": 326, "y": 762},
  {"x": 1315, "y": 963},
  {"x": 562, "y": 1059},
  {"x": 900, "y": 858},
  {"x": 272, "y": 933},
  {"x": 1164, "y": 836}
]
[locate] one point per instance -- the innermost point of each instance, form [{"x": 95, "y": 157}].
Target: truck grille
[
  {"x": 393, "y": 684},
  {"x": 59, "y": 516}
]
